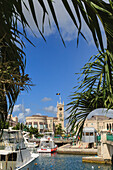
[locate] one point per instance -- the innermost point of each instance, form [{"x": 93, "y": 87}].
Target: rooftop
[
  {"x": 38, "y": 116},
  {"x": 100, "y": 117}
]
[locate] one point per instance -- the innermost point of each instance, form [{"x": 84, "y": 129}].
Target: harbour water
[{"x": 66, "y": 162}]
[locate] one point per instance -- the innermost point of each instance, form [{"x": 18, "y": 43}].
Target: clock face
[{"x": 60, "y": 108}]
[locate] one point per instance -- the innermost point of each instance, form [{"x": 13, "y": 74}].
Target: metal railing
[
  {"x": 109, "y": 137},
  {"x": 98, "y": 138}
]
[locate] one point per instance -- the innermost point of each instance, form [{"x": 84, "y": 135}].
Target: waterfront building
[
  {"x": 13, "y": 121},
  {"x": 99, "y": 123},
  {"x": 46, "y": 123}
]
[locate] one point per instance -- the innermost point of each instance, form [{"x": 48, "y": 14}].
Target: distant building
[
  {"x": 13, "y": 121},
  {"x": 99, "y": 123},
  {"x": 45, "y": 123}
]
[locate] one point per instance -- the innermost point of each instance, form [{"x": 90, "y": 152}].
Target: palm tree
[
  {"x": 94, "y": 91},
  {"x": 12, "y": 57}
]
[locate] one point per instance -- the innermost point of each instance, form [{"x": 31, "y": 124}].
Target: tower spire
[{"x": 60, "y": 99}]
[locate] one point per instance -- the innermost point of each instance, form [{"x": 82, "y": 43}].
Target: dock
[
  {"x": 68, "y": 149},
  {"x": 96, "y": 159}
]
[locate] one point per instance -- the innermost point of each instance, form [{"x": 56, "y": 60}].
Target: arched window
[
  {"x": 110, "y": 126},
  {"x": 60, "y": 114},
  {"x": 107, "y": 127}
]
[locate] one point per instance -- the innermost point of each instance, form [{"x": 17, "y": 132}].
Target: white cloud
[
  {"x": 45, "y": 99},
  {"x": 21, "y": 117},
  {"x": 51, "y": 109},
  {"x": 67, "y": 27},
  {"x": 28, "y": 111},
  {"x": 17, "y": 108},
  {"x": 20, "y": 107},
  {"x": 23, "y": 112}
]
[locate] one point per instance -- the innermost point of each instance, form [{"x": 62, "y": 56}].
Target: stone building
[
  {"x": 99, "y": 123},
  {"x": 13, "y": 121},
  {"x": 45, "y": 123}
]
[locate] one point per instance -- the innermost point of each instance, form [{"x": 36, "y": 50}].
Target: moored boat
[
  {"x": 13, "y": 153},
  {"x": 47, "y": 144},
  {"x": 32, "y": 146}
]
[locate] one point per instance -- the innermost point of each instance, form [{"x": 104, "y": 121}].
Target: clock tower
[{"x": 60, "y": 113}]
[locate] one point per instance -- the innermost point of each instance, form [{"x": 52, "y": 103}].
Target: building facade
[
  {"x": 99, "y": 123},
  {"x": 13, "y": 121},
  {"x": 45, "y": 123}
]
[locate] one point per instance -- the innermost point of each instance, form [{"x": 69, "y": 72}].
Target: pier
[
  {"x": 105, "y": 150},
  {"x": 69, "y": 149}
]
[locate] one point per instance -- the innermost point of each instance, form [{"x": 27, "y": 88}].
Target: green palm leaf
[{"x": 95, "y": 90}]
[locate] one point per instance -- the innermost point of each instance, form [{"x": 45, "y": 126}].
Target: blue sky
[{"x": 52, "y": 67}]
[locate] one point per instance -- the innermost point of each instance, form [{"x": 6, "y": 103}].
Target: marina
[{"x": 66, "y": 162}]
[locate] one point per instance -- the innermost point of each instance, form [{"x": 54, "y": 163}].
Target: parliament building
[{"x": 45, "y": 123}]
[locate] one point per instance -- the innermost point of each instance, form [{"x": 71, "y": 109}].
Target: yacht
[
  {"x": 29, "y": 144},
  {"x": 13, "y": 153},
  {"x": 47, "y": 144}
]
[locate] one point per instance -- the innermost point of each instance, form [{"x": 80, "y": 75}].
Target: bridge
[
  {"x": 105, "y": 150},
  {"x": 60, "y": 142}
]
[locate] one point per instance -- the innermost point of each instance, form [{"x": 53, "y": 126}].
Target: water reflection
[
  {"x": 47, "y": 154},
  {"x": 56, "y": 161}
]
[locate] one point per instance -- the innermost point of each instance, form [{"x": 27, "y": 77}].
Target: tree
[
  {"x": 19, "y": 126},
  {"x": 12, "y": 57},
  {"x": 58, "y": 129},
  {"x": 4, "y": 125},
  {"x": 94, "y": 91},
  {"x": 33, "y": 131}
]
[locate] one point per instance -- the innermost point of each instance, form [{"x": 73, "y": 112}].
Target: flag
[{"x": 57, "y": 93}]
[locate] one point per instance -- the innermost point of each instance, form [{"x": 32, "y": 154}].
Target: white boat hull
[
  {"x": 29, "y": 165},
  {"x": 47, "y": 150}
]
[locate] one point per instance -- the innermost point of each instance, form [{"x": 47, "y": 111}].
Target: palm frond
[{"x": 95, "y": 91}]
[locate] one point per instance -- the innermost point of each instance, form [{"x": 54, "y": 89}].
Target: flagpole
[{"x": 60, "y": 99}]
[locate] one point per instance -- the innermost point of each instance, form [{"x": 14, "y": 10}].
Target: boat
[
  {"x": 29, "y": 144},
  {"x": 13, "y": 153},
  {"x": 47, "y": 144}
]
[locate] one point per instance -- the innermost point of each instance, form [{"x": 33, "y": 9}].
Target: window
[
  {"x": 60, "y": 114},
  {"x": 30, "y": 124},
  {"x": 46, "y": 126},
  {"x": 87, "y": 133},
  {"x": 35, "y": 125},
  {"x": 41, "y": 126},
  {"x": 91, "y": 133},
  {"x": 91, "y": 123},
  {"x": 83, "y": 133}
]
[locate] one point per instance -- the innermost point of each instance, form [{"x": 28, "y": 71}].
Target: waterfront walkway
[{"x": 69, "y": 149}]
